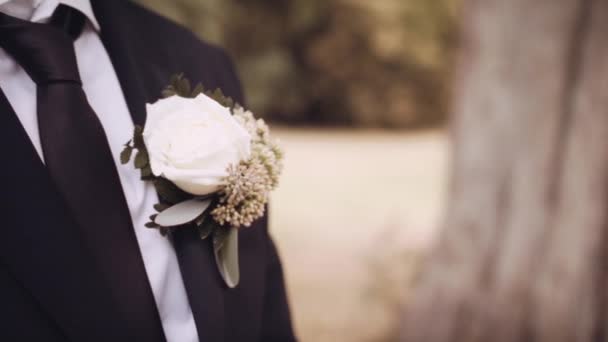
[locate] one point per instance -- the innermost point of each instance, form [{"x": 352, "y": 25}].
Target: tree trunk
[{"x": 524, "y": 252}]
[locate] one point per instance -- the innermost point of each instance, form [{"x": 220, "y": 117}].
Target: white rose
[{"x": 191, "y": 142}]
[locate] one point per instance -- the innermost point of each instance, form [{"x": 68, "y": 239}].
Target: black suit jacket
[{"x": 50, "y": 289}]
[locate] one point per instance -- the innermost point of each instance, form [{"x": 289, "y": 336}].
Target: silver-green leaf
[
  {"x": 226, "y": 249},
  {"x": 182, "y": 213}
]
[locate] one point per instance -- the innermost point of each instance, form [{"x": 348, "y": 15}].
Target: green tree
[{"x": 362, "y": 63}]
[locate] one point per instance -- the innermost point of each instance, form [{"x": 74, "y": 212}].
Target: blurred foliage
[{"x": 382, "y": 63}]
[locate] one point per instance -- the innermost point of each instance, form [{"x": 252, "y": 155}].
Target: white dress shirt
[{"x": 105, "y": 95}]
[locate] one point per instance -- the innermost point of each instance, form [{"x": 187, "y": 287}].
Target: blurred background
[{"x": 357, "y": 92}]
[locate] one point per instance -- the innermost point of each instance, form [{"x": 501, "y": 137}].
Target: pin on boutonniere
[{"x": 212, "y": 163}]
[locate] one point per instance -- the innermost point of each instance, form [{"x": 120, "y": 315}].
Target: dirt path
[{"x": 350, "y": 202}]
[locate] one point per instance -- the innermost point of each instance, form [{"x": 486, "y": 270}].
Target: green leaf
[
  {"x": 169, "y": 192},
  {"x": 138, "y": 138},
  {"x": 141, "y": 159},
  {"x": 168, "y": 92},
  {"x": 183, "y": 88},
  {"x": 175, "y": 78},
  {"x": 161, "y": 206},
  {"x": 198, "y": 90},
  {"x": 226, "y": 250},
  {"x": 180, "y": 85},
  {"x": 219, "y": 235},
  {"x": 229, "y": 102},
  {"x": 146, "y": 172},
  {"x": 218, "y": 95},
  {"x": 125, "y": 155},
  {"x": 151, "y": 225}
]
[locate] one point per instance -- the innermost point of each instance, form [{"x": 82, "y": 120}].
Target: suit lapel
[
  {"x": 203, "y": 283},
  {"x": 142, "y": 76},
  {"x": 42, "y": 245}
]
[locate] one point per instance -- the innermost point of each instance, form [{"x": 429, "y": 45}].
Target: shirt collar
[{"x": 42, "y": 10}]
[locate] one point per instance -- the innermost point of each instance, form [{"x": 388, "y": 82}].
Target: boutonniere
[{"x": 212, "y": 163}]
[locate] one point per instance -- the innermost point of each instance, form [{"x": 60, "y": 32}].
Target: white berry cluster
[{"x": 243, "y": 199}]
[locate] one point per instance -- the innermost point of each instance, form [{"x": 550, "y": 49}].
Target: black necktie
[{"x": 80, "y": 162}]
